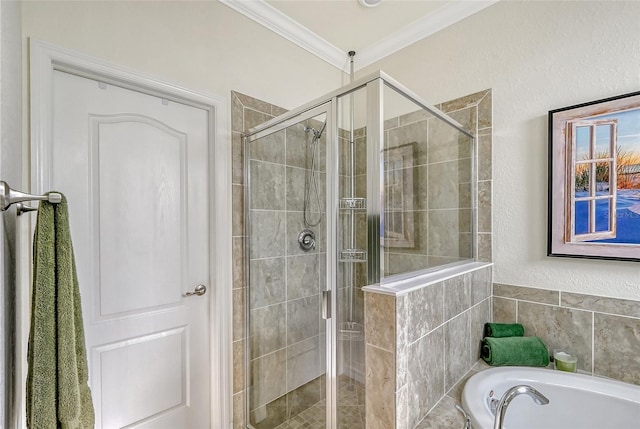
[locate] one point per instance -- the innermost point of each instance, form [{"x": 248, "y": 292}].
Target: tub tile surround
[
  {"x": 436, "y": 345},
  {"x": 603, "y": 332}
]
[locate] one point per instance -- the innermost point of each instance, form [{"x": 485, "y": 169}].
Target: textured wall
[{"x": 536, "y": 56}]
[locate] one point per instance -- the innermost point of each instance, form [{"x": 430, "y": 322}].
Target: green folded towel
[
  {"x": 514, "y": 351},
  {"x": 58, "y": 394},
  {"x": 500, "y": 330}
]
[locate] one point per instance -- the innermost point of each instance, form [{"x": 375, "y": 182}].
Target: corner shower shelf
[
  {"x": 352, "y": 255},
  {"x": 351, "y": 331},
  {"x": 353, "y": 203}
]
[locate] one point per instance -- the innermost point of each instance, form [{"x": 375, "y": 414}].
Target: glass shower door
[{"x": 287, "y": 264}]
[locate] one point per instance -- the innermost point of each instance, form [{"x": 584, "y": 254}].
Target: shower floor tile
[{"x": 350, "y": 409}]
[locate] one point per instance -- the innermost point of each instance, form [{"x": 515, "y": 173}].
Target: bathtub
[{"x": 576, "y": 401}]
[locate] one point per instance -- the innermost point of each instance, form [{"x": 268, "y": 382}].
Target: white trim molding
[
  {"x": 45, "y": 58},
  {"x": 270, "y": 17}
]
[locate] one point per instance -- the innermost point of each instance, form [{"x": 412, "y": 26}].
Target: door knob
[{"x": 199, "y": 290}]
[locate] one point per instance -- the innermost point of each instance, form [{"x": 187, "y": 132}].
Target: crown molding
[
  {"x": 429, "y": 24},
  {"x": 270, "y": 17},
  {"x": 276, "y": 21}
]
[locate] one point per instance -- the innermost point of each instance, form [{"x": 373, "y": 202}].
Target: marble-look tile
[
  {"x": 504, "y": 310},
  {"x": 238, "y": 314},
  {"x": 302, "y": 276},
  {"x": 303, "y": 363},
  {"x": 464, "y": 102},
  {"x": 238, "y": 262},
  {"x": 444, "y": 416},
  {"x": 237, "y": 158},
  {"x": 268, "y": 330},
  {"x": 238, "y": 411},
  {"x": 305, "y": 396},
  {"x": 238, "y": 366},
  {"x": 465, "y": 167},
  {"x": 485, "y": 111},
  {"x": 542, "y": 296},
  {"x": 480, "y": 284},
  {"x": 465, "y": 218},
  {"x": 410, "y": 118},
  {"x": 268, "y": 378},
  {"x": 617, "y": 347},
  {"x": 443, "y": 185},
  {"x": 254, "y": 103},
  {"x": 270, "y": 148},
  {"x": 270, "y": 415},
  {"x": 277, "y": 111},
  {"x": 425, "y": 310},
  {"x": 455, "y": 392},
  {"x": 402, "y": 410},
  {"x": 380, "y": 387},
  {"x": 443, "y": 142},
  {"x": 457, "y": 354},
  {"x": 441, "y": 225},
  {"x": 468, "y": 118},
  {"x": 457, "y": 295},
  {"x": 415, "y": 234},
  {"x": 484, "y": 206},
  {"x": 237, "y": 114},
  {"x": 380, "y": 323},
  {"x": 303, "y": 316},
  {"x": 402, "y": 339},
  {"x": 237, "y": 215},
  {"x": 412, "y": 133},
  {"x": 296, "y": 184},
  {"x": 298, "y": 153},
  {"x": 621, "y": 307},
  {"x": 484, "y": 156},
  {"x": 253, "y": 118},
  {"x": 361, "y": 156},
  {"x": 559, "y": 328},
  {"x": 267, "y": 285},
  {"x": 391, "y": 123},
  {"x": 268, "y": 234},
  {"x": 480, "y": 314},
  {"x": 267, "y": 185},
  {"x": 464, "y": 195},
  {"x": 484, "y": 247},
  {"x": 426, "y": 375}
]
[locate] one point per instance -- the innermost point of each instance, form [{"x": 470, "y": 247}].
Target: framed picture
[{"x": 594, "y": 179}]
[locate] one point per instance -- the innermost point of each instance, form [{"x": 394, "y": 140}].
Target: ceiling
[{"x": 331, "y": 28}]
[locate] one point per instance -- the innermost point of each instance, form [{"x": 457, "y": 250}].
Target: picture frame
[{"x": 594, "y": 179}]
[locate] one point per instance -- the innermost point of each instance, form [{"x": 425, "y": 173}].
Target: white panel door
[{"x": 134, "y": 168}]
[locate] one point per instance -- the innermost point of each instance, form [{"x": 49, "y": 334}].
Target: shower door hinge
[{"x": 326, "y": 304}]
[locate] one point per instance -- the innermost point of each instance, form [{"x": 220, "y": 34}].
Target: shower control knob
[{"x": 307, "y": 240}]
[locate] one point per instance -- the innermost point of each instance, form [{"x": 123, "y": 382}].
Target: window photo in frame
[{"x": 594, "y": 179}]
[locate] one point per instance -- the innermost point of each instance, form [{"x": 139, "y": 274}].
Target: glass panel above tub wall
[
  {"x": 287, "y": 263},
  {"x": 427, "y": 167},
  {"x": 352, "y": 258}
]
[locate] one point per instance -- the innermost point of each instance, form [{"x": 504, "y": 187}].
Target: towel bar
[{"x": 9, "y": 196}]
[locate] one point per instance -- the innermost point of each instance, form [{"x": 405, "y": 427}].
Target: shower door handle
[
  {"x": 326, "y": 304},
  {"x": 199, "y": 291}
]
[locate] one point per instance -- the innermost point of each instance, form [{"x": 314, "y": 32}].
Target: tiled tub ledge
[{"x": 404, "y": 286}]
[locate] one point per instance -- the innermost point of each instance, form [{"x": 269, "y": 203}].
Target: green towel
[
  {"x": 500, "y": 330},
  {"x": 514, "y": 351},
  {"x": 58, "y": 394}
]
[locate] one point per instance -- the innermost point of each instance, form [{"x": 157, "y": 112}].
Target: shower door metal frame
[
  {"x": 375, "y": 84},
  {"x": 331, "y": 215}
]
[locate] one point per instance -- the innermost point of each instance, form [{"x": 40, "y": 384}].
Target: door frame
[{"x": 45, "y": 58}]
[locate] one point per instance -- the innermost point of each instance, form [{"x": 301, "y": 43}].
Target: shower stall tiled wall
[{"x": 278, "y": 340}]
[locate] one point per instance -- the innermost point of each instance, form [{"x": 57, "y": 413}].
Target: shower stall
[{"x": 366, "y": 185}]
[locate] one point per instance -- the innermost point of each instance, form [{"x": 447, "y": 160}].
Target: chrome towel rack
[{"x": 10, "y": 196}]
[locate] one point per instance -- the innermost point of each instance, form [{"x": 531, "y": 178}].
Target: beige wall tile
[
  {"x": 504, "y": 310},
  {"x": 543, "y": 296},
  {"x": 380, "y": 320},
  {"x": 425, "y": 311},
  {"x": 444, "y": 416},
  {"x": 485, "y": 113},
  {"x": 480, "y": 314},
  {"x": 426, "y": 375},
  {"x": 484, "y": 156},
  {"x": 559, "y": 328},
  {"x": 457, "y": 344},
  {"x": 238, "y": 411},
  {"x": 457, "y": 296},
  {"x": 617, "y": 347},
  {"x": 238, "y": 366},
  {"x": 622, "y": 307},
  {"x": 253, "y": 103},
  {"x": 380, "y": 387}
]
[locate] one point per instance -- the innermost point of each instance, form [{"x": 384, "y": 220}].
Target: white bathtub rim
[{"x": 481, "y": 383}]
